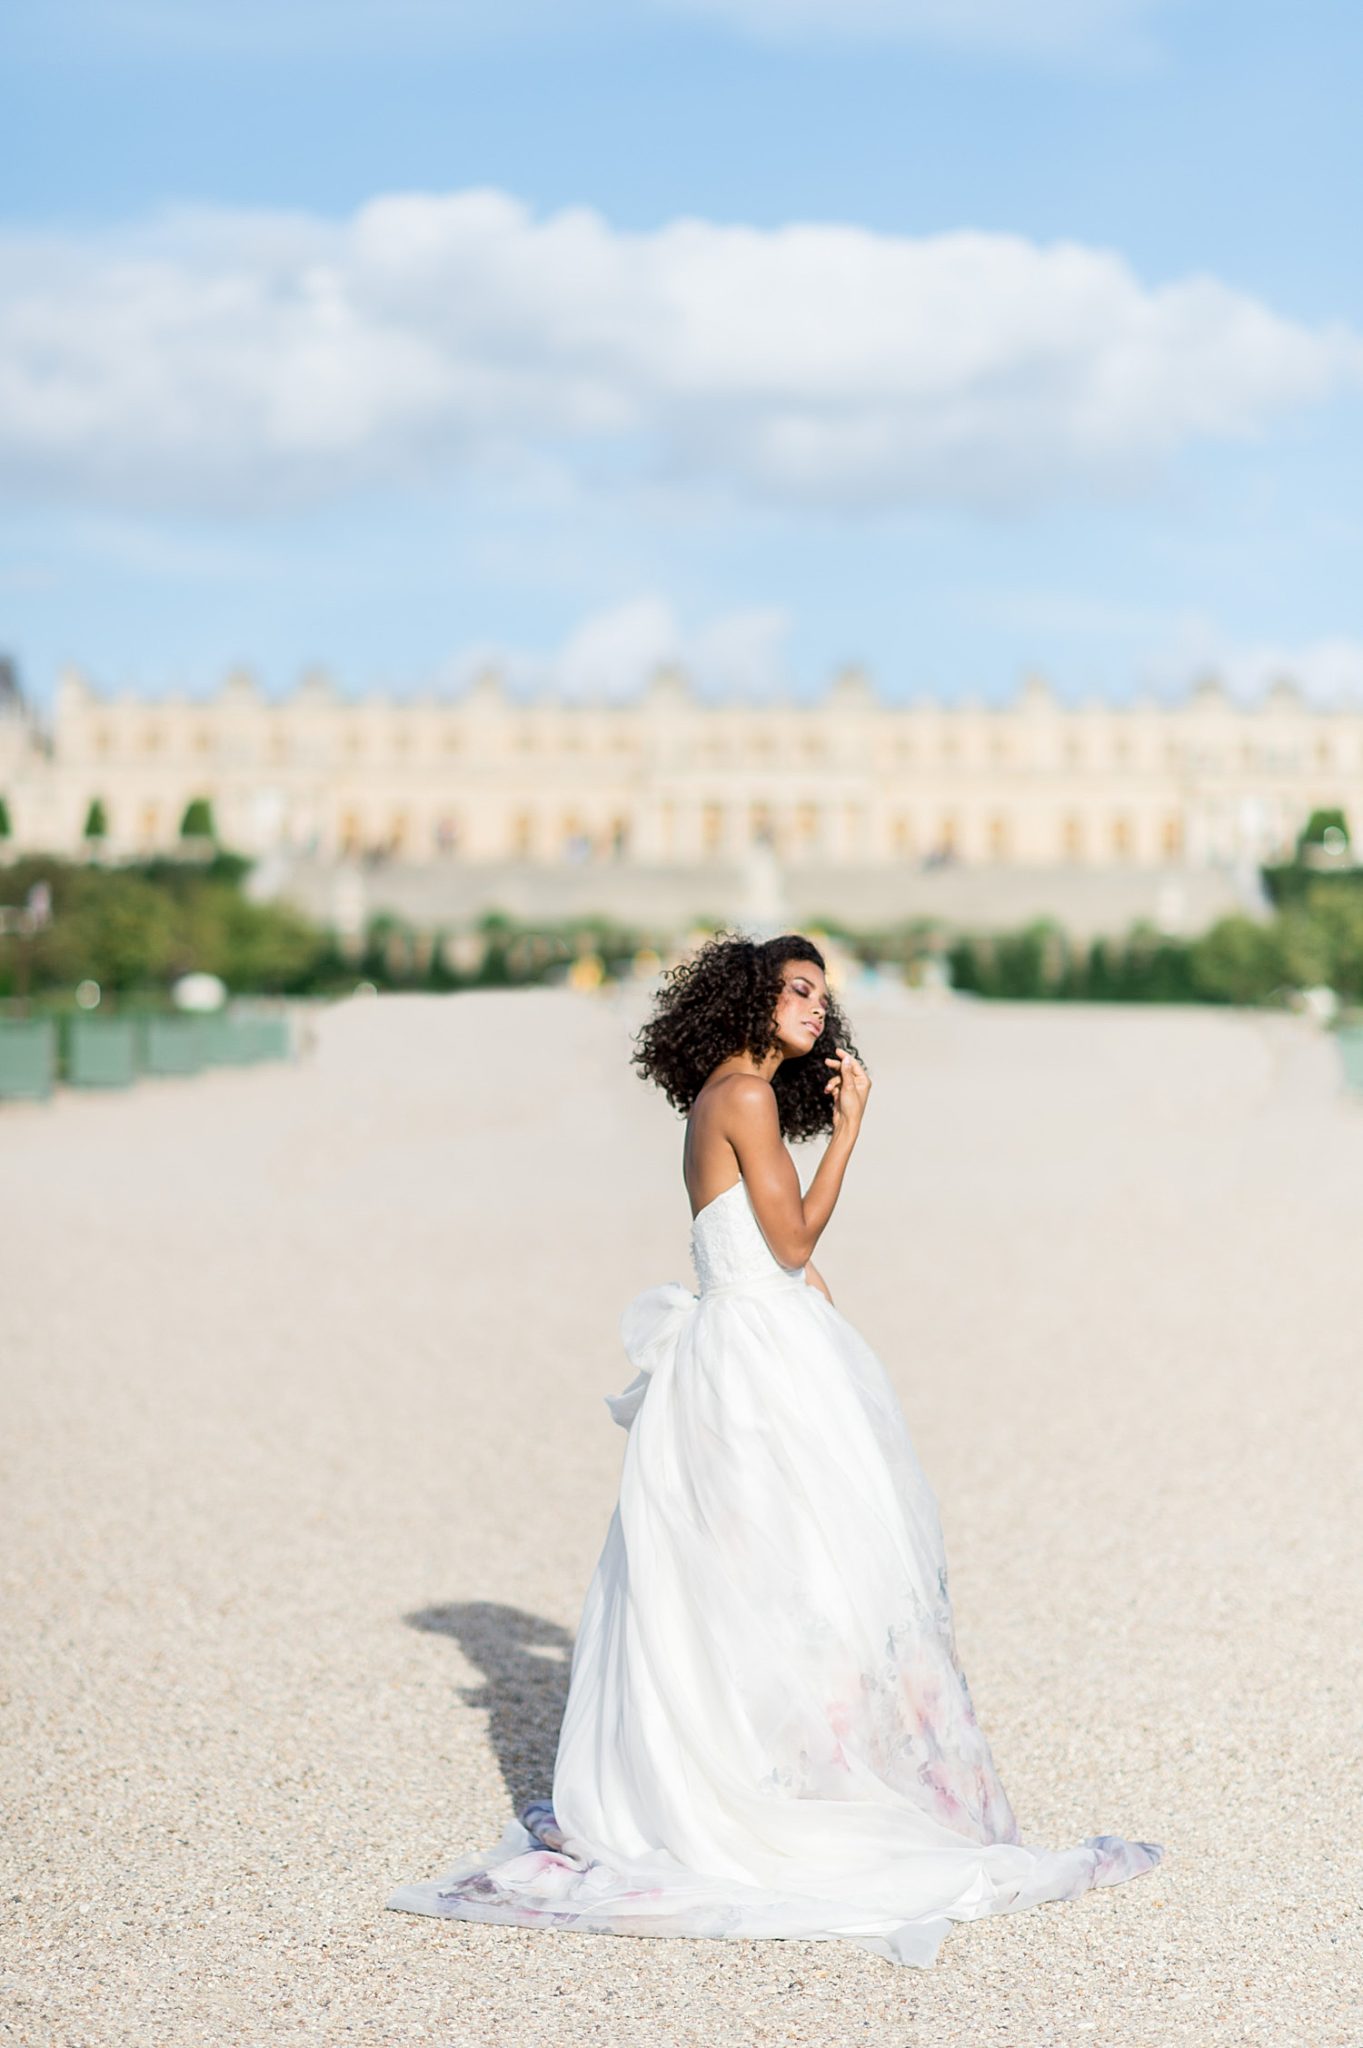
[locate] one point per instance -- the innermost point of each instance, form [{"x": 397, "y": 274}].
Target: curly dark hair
[{"x": 722, "y": 1001}]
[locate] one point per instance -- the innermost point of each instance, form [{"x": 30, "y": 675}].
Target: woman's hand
[
  {"x": 814, "y": 1278},
  {"x": 849, "y": 1085}
]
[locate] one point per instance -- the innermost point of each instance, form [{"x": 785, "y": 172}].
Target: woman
[{"x": 767, "y": 1729}]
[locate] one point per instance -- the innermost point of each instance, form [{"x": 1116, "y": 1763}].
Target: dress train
[{"x": 768, "y": 1731}]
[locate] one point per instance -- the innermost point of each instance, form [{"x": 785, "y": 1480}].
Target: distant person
[{"x": 767, "y": 1730}]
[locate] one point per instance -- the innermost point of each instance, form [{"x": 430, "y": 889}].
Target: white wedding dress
[{"x": 767, "y": 1730}]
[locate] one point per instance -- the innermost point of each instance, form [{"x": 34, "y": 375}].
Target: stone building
[{"x": 668, "y": 779}]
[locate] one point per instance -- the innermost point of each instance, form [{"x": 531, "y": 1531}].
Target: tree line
[{"x": 134, "y": 927}]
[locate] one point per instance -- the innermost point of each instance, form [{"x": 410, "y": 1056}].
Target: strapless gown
[{"x": 768, "y": 1731}]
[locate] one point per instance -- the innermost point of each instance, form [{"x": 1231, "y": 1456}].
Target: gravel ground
[{"x": 306, "y": 1466}]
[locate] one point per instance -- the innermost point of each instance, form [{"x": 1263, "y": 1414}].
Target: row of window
[
  {"x": 1076, "y": 752},
  {"x": 804, "y": 830},
  {"x": 573, "y": 837}
]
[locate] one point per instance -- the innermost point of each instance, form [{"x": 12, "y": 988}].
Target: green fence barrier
[
  {"x": 28, "y": 1057},
  {"x": 1350, "y": 1040},
  {"x": 171, "y": 1045},
  {"x": 101, "y": 1052},
  {"x": 233, "y": 1038},
  {"x": 220, "y": 1040},
  {"x": 110, "y": 1052},
  {"x": 265, "y": 1038}
]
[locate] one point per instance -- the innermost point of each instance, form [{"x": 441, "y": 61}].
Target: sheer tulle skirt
[{"x": 768, "y": 1731}]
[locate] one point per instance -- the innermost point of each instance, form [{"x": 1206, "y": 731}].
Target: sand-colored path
[{"x": 305, "y": 1466}]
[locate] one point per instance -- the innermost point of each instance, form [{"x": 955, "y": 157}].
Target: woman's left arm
[{"x": 814, "y": 1278}]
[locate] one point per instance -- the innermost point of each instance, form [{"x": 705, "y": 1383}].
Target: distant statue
[{"x": 765, "y": 912}]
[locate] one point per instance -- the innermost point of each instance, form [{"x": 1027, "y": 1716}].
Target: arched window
[
  {"x": 1072, "y": 837},
  {"x": 1121, "y": 836},
  {"x": 1000, "y": 838}
]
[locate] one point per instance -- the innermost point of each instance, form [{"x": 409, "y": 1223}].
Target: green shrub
[
  {"x": 1323, "y": 939},
  {"x": 1238, "y": 961},
  {"x": 137, "y": 927},
  {"x": 197, "y": 822},
  {"x": 1319, "y": 824}
]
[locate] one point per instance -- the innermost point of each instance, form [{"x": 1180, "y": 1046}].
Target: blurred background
[{"x": 491, "y": 495}]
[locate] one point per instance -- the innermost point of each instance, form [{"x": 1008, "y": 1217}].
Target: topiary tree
[
  {"x": 197, "y": 822},
  {"x": 96, "y": 820},
  {"x": 4, "y": 819},
  {"x": 1320, "y": 829}
]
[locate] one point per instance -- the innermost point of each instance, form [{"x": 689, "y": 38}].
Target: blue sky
[{"x": 951, "y": 336}]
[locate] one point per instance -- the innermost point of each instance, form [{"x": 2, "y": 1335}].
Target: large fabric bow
[{"x": 649, "y": 1328}]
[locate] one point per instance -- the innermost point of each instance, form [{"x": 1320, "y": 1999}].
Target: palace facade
[{"x": 669, "y": 778}]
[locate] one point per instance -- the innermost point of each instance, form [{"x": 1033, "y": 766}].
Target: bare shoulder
[{"x": 747, "y": 1102}]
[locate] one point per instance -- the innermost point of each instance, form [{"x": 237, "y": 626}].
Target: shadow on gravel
[{"x": 525, "y": 1664}]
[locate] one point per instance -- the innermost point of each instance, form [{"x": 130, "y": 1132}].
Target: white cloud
[
  {"x": 612, "y": 651},
  {"x": 742, "y": 654},
  {"x": 222, "y": 361},
  {"x": 1327, "y": 671}
]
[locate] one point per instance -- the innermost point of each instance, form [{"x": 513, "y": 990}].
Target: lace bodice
[{"x": 727, "y": 1244}]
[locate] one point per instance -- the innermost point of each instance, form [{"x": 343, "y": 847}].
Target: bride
[{"x": 768, "y": 1731}]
